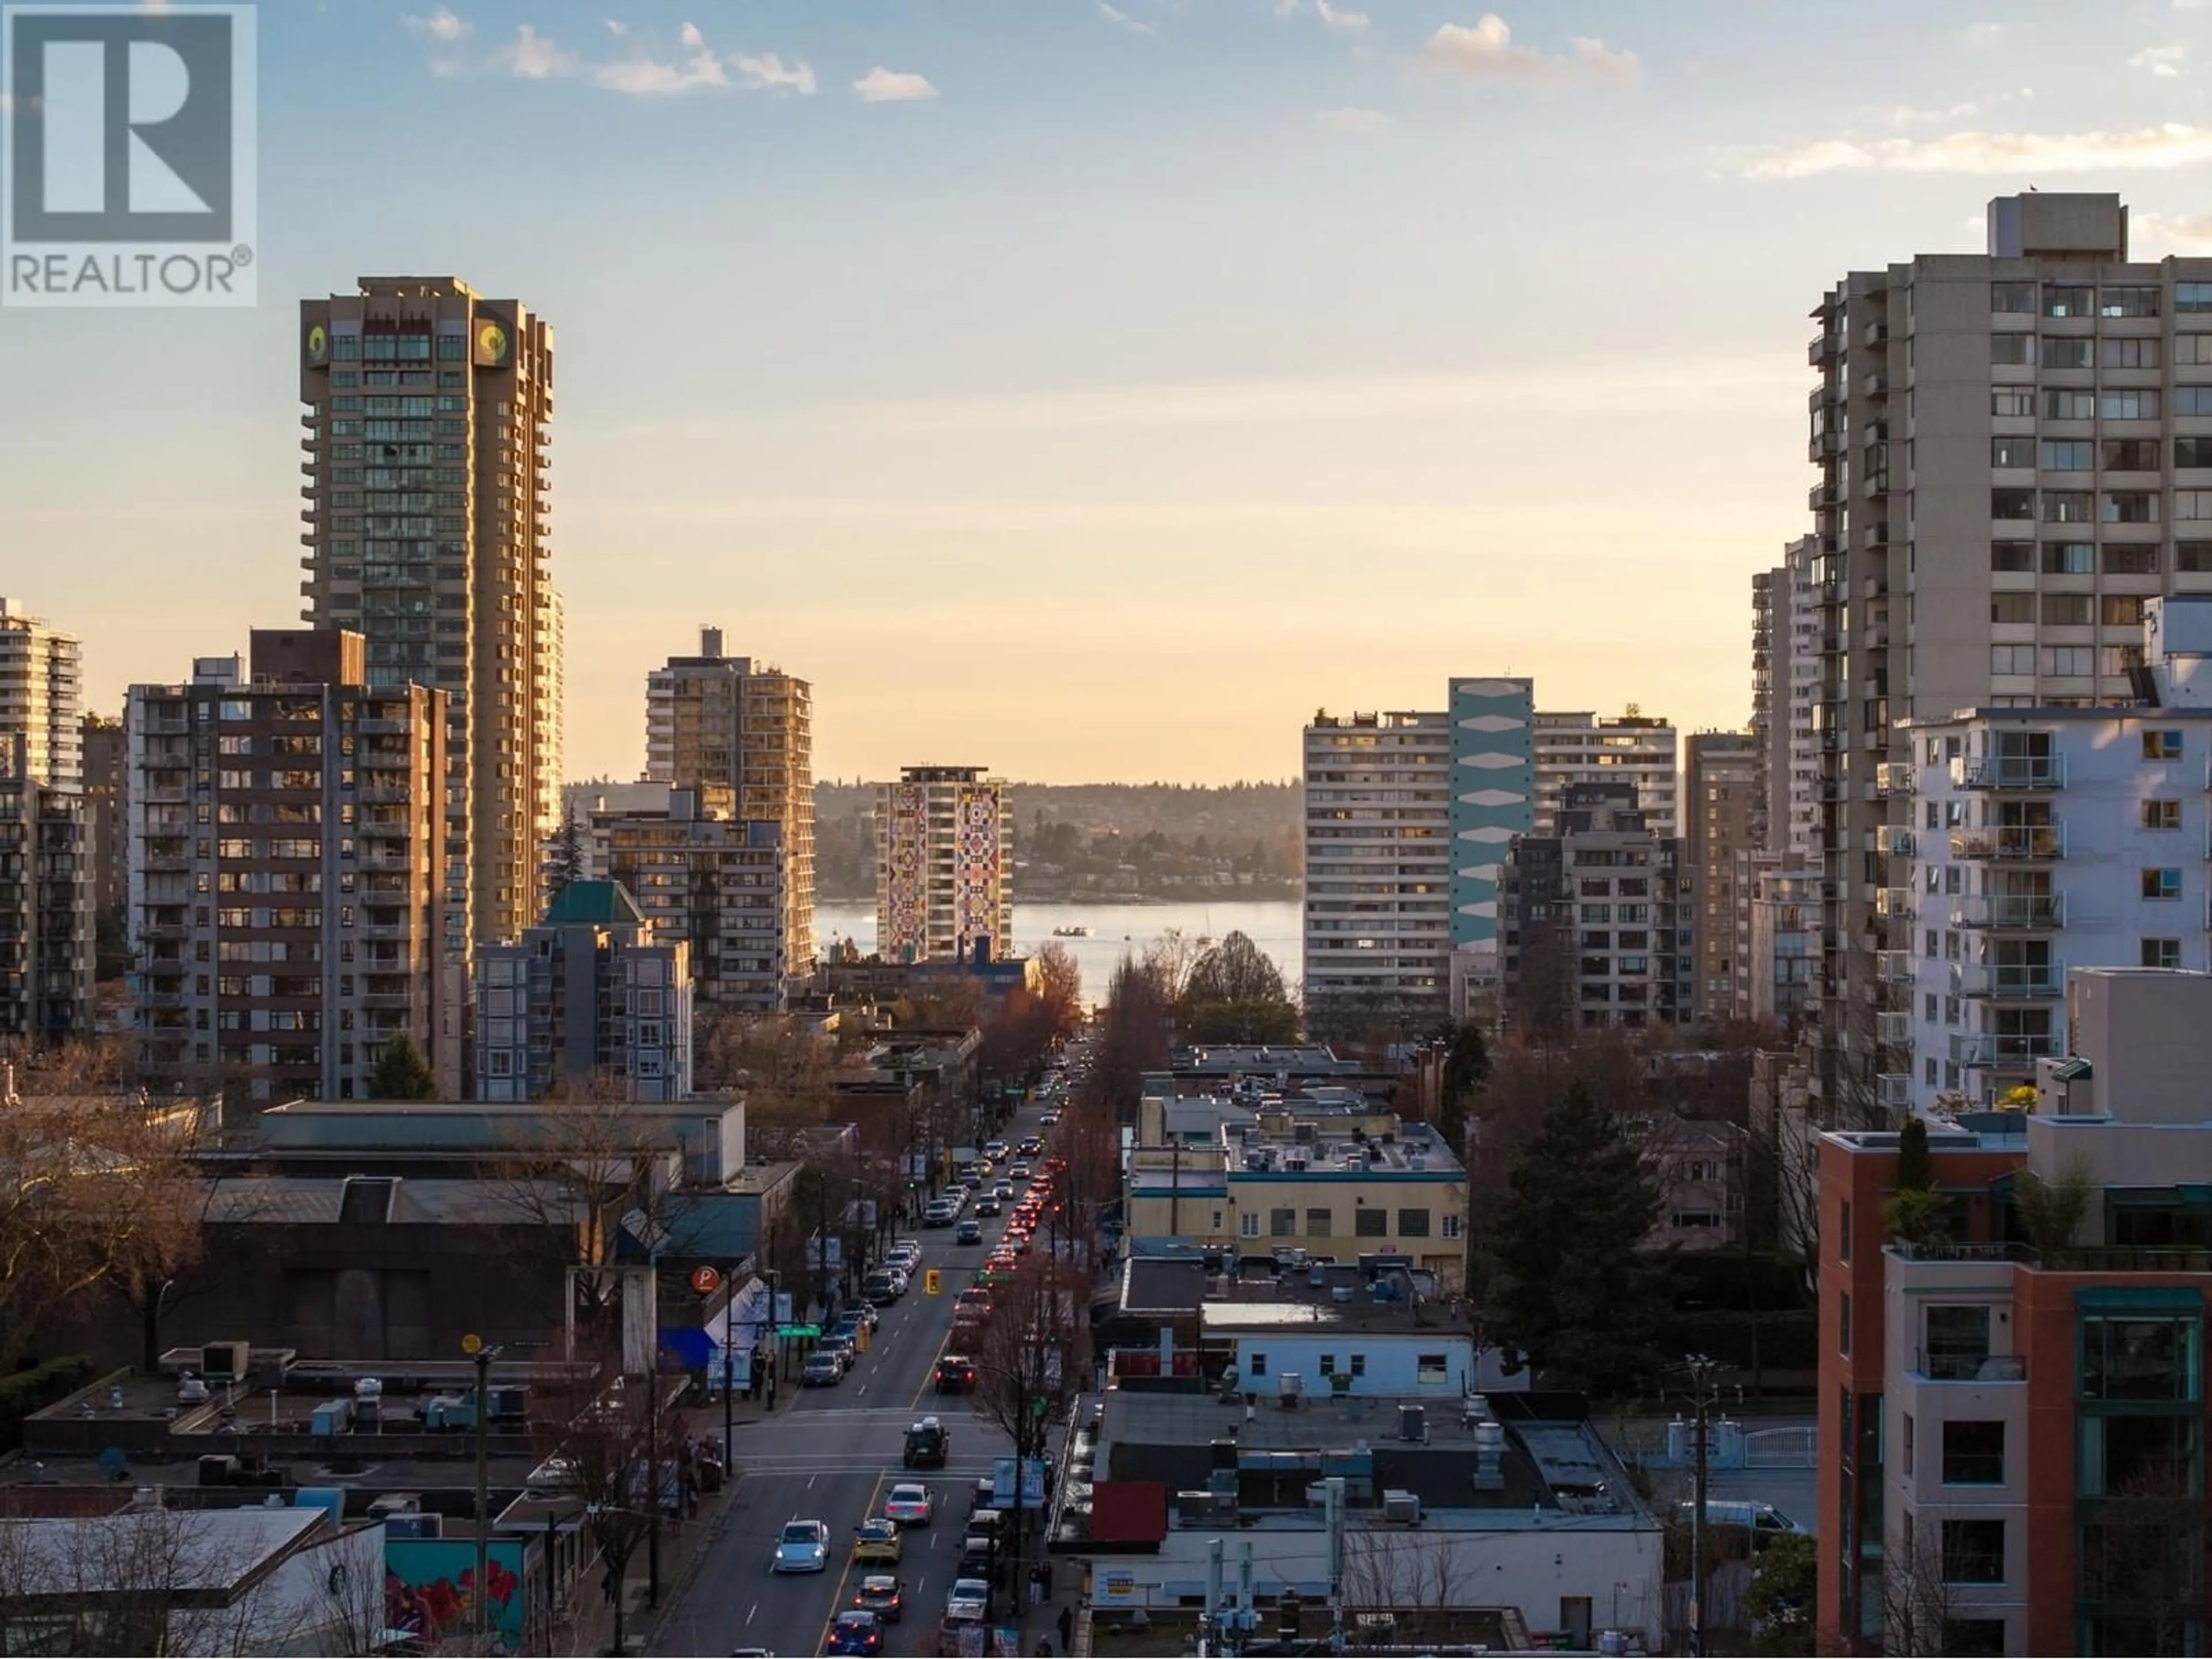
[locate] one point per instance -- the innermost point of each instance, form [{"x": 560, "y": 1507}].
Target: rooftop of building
[
  {"x": 1551, "y": 1469},
  {"x": 1382, "y": 720},
  {"x": 1228, "y": 1059},
  {"x": 278, "y": 1201},
  {"x": 1325, "y": 1298},
  {"x": 593, "y": 904},
  {"x": 227, "y": 1549}
]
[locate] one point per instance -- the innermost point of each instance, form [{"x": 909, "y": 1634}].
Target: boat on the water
[{"x": 1071, "y": 933}]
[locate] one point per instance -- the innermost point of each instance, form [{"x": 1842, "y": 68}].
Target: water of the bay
[{"x": 1273, "y": 925}]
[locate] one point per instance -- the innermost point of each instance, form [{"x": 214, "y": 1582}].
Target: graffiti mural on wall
[{"x": 430, "y": 1586}]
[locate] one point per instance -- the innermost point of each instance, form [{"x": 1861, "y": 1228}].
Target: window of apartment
[
  {"x": 2012, "y": 556},
  {"x": 2128, "y": 404},
  {"x": 2016, "y": 451},
  {"x": 1282, "y": 1222},
  {"x": 2065, "y": 351},
  {"x": 2192, "y": 452},
  {"x": 2065, "y": 610},
  {"x": 2069, "y": 660},
  {"x": 2193, "y": 400},
  {"x": 2014, "y": 350},
  {"x": 2162, "y": 884},
  {"x": 2012, "y": 402},
  {"x": 2065, "y": 300},
  {"x": 2159, "y": 952},
  {"x": 1255, "y": 1364},
  {"x": 1429, "y": 1370},
  {"x": 2012, "y": 506},
  {"x": 1973, "y": 1453},
  {"x": 1843, "y": 1238},
  {"x": 2192, "y": 556},
  {"x": 1449, "y": 1228},
  {"x": 1973, "y": 1552},
  {"x": 2130, "y": 558},
  {"x": 2131, "y": 454},
  {"x": 1957, "y": 1342},
  {"x": 1248, "y": 1225},
  {"x": 2130, "y": 300},
  {"x": 1412, "y": 1223},
  {"x": 2012, "y": 660},
  {"x": 2193, "y": 350},
  {"x": 1370, "y": 1221},
  {"x": 2013, "y": 298},
  {"x": 2143, "y": 1356},
  {"x": 1319, "y": 1222},
  {"x": 2192, "y": 506},
  {"x": 2161, "y": 814},
  {"x": 1358, "y": 1365},
  {"x": 1844, "y": 1325},
  {"x": 2132, "y": 351},
  {"x": 2068, "y": 506},
  {"x": 2191, "y": 297},
  {"x": 2059, "y": 454},
  {"x": 2063, "y": 402}
]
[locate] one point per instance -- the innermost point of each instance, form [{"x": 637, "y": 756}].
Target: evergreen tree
[
  {"x": 568, "y": 860},
  {"x": 1467, "y": 1068},
  {"x": 1915, "y": 1170},
  {"x": 401, "y": 1072},
  {"x": 1577, "y": 1297}
]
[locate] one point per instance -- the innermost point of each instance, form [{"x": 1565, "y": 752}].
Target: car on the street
[
  {"x": 941, "y": 1212},
  {"x": 821, "y": 1371},
  {"x": 909, "y": 1504},
  {"x": 969, "y": 1232},
  {"x": 1049, "y": 1119},
  {"x": 977, "y": 1552},
  {"x": 1030, "y": 1147},
  {"x": 1020, "y": 1171},
  {"x": 928, "y": 1445},
  {"x": 1003, "y": 1191},
  {"x": 884, "y": 1595},
  {"x": 994, "y": 1150},
  {"x": 987, "y": 1206},
  {"x": 879, "y": 1542},
  {"x": 884, "y": 1288},
  {"x": 860, "y": 1314},
  {"x": 802, "y": 1547},
  {"x": 856, "y": 1630},
  {"x": 955, "y": 1374},
  {"x": 999, "y": 1270},
  {"x": 969, "y": 1598},
  {"x": 973, "y": 1296}
]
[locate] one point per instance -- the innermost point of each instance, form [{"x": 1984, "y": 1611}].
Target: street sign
[
  {"x": 799, "y": 1333},
  {"x": 933, "y": 1281},
  {"x": 472, "y": 1343},
  {"x": 706, "y": 1280}
]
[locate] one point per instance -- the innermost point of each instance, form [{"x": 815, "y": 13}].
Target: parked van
[{"x": 1762, "y": 1521}]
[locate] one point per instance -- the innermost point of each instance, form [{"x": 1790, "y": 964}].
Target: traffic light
[{"x": 931, "y": 1281}]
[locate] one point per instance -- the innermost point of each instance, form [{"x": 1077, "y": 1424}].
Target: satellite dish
[{"x": 113, "y": 1464}]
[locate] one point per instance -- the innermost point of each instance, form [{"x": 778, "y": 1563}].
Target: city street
[{"x": 833, "y": 1455}]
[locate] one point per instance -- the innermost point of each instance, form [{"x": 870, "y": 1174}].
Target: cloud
[
  {"x": 689, "y": 38},
  {"x": 2172, "y": 145},
  {"x": 1121, "y": 20},
  {"x": 1347, "y": 22},
  {"x": 1284, "y": 8},
  {"x": 883, "y": 86},
  {"x": 647, "y": 77},
  {"x": 1904, "y": 115},
  {"x": 531, "y": 57},
  {"x": 2182, "y": 236},
  {"x": 767, "y": 71},
  {"x": 1982, "y": 36},
  {"x": 615, "y": 26},
  {"x": 2163, "y": 62},
  {"x": 1486, "y": 51},
  {"x": 443, "y": 24},
  {"x": 1355, "y": 120}
]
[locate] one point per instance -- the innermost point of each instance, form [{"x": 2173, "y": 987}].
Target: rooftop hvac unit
[
  {"x": 1402, "y": 1508},
  {"x": 1412, "y": 1423},
  {"x": 1290, "y": 1385},
  {"x": 1340, "y": 1293},
  {"x": 413, "y": 1525},
  {"x": 226, "y": 1362}
]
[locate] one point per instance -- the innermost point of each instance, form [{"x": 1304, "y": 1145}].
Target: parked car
[
  {"x": 1762, "y": 1521},
  {"x": 804, "y": 1546},
  {"x": 821, "y": 1371},
  {"x": 966, "y": 1603},
  {"x": 840, "y": 1346},
  {"x": 885, "y": 1288}
]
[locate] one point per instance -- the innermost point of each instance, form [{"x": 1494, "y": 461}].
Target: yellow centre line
[{"x": 837, "y": 1600}]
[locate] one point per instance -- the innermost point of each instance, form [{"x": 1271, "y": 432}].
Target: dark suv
[
  {"x": 928, "y": 1445},
  {"x": 955, "y": 1374}
]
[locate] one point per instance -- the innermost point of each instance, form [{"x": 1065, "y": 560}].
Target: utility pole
[
  {"x": 473, "y": 1346},
  {"x": 1702, "y": 1371},
  {"x": 729, "y": 1374}
]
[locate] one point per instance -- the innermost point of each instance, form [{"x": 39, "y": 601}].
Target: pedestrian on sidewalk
[{"x": 1066, "y": 1627}]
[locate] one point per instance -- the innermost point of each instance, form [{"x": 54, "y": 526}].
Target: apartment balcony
[
  {"x": 1894, "y": 903},
  {"x": 2008, "y": 981},
  {"x": 2032, "y": 774},
  {"x": 1876, "y": 384},
  {"x": 1820, "y": 496},
  {"x": 1893, "y": 1027},
  {"x": 2036, "y": 843},
  {"x": 2028, "y": 913},
  {"x": 1823, "y": 346},
  {"x": 1892, "y": 1091},
  {"x": 1893, "y": 840},
  {"x": 1893, "y": 778},
  {"x": 1968, "y": 1365},
  {"x": 2004, "y": 1051}
]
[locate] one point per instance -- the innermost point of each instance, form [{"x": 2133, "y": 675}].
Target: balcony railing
[
  {"x": 1893, "y": 778},
  {"x": 1893, "y": 967},
  {"x": 1893, "y": 902},
  {"x": 2078, "y": 1258},
  {"x": 1970, "y": 1366},
  {"x": 1894, "y": 839},
  {"x": 2030, "y": 772},
  {"x": 2033, "y": 912},
  {"x": 2008, "y": 979},
  {"x": 1893, "y": 1028},
  {"x": 2027, "y": 844},
  {"x": 1998, "y": 1050},
  {"x": 1893, "y": 1091}
]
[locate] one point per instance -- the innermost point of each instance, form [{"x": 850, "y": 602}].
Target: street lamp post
[{"x": 473, "y": 1346}]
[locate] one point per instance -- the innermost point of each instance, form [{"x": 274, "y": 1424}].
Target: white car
[
  {"x": 909, "y": 1504},
  {"x": 804, "y": 1547},
  {"x": 1047, "y": 1119},
  {"x": 969, "y": 1598}
]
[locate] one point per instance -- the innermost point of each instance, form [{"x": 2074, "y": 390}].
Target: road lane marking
[
  {"x": 750, "y": 1616},
  {"x": 837, "y": 1599},
  {"x": 809, "y": 1482}
]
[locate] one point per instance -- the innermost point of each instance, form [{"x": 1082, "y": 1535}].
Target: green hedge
[
  {"x": 1787, "y": 1341},
  {"x": 32, "y": 1390}
]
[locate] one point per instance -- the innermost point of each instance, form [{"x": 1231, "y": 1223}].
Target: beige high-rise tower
[
  {"x": 39, "y": 697},
  {"x": 429, "y": 413}
]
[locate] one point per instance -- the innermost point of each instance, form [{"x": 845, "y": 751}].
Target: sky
[{"x": 1094, "y": 391}]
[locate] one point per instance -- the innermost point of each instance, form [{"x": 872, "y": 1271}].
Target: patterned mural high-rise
[{"x": 1494, "y": 796}]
